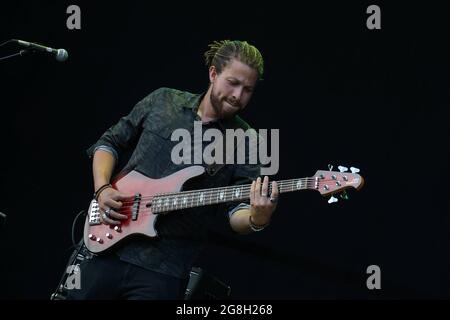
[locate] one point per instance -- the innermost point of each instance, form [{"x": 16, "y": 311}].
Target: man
[{"x": 158, "y": 268}]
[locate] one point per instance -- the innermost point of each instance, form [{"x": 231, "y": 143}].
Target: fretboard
[{"x": 198, "y": 198}]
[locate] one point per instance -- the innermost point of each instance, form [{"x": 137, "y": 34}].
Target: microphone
[{"x": 60, "y": 54}]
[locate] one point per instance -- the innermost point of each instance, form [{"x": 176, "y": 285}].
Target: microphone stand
[{"x": 20, "y": 53}]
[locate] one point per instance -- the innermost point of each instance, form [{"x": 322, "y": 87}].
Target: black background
[{"x": 340, "y": 94}]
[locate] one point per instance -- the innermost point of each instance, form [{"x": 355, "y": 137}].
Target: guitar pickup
[{"x": 136, "y": 206}]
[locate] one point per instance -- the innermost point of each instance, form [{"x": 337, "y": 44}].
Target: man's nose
[{"x": 237, "y": 95}]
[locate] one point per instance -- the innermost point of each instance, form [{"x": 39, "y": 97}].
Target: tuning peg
[
  {"x": 342, "y": 169},
  {"x": 354, "y": 170},
  {"x": 344, "y": 195},
  {"x": 330, "y": 167},
  {"x": 332, "y": 200}
]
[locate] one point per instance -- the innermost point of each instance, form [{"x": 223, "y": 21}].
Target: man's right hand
[{"x": 112, "y": 204}]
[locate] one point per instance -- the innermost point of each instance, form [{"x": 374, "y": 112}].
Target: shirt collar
[{"x": 193, "y": 104}]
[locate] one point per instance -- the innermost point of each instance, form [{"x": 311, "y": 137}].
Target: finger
[
  {"x": 115, "y": 207},
  {"x": 123, "y": 196},
  {"x": 252, "y": 192},
  {"x": 258, "y": 189},
  {"x": 111, "y": 203},
  {"x": 275, "y": 191},
  {"x": 117, "y": 215},
  {"x": 106, "y": 220},
  {"x": 265, "y": 187}
]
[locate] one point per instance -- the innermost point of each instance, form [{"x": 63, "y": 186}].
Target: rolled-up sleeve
[
  {"x": 240, "y": 206},
  {"x": 107, "y": 149}
]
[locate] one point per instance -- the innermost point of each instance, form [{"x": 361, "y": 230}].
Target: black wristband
[{"x": 99, "y": 190}]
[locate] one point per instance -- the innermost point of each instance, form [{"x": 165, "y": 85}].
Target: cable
[
  {"x": 61, "y": 292},
  {"x": 73, "y": 227}
]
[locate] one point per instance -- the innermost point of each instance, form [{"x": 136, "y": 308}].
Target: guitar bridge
[
  {"x": 136, "y": 205},
  {"x": 94, "y": 213}
]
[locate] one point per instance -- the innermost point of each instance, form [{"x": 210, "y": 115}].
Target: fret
[
  {"x": 185, "y": 201},
  {"x": 236, "y": 192},
  {"x": 159, "y": 201},
  {"x": 175, "y": 201},
  {"x": 166, "y": 203}
]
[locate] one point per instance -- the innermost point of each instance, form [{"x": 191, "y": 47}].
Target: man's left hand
[{"x": 262, "y": 204}]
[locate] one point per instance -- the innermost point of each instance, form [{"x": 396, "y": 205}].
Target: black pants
[{"x": 107, "y": 277}]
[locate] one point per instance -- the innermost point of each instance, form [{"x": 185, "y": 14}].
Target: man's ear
[{"x": 212, "y": 74}]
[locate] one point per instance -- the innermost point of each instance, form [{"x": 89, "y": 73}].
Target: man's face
[{"x": 232, "y": 89}]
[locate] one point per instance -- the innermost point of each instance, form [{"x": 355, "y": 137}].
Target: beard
[{"x": 222, "y": 110}]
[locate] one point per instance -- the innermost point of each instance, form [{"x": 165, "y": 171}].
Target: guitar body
[{"x": 99, "y": 237}]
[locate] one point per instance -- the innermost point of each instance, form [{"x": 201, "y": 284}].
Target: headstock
[{"x": 331, "y": 182}]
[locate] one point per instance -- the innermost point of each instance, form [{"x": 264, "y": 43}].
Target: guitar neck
[{"x": 198, "y": 198}]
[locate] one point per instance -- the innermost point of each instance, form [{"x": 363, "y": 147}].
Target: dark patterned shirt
[{"x": 146, "y": 131}]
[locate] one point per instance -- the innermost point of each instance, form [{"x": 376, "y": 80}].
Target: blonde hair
[{"x": 220, "y": 53}]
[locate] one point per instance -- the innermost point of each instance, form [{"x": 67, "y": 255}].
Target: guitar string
[
  {"x": 172, "y": 207},
  {"x": 146, "y": 211},
  {"x": 191, "y": 195},
  {"x": 244, "y": 188},
  {"x": 208, "y": 192}
]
